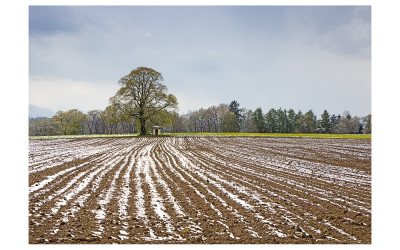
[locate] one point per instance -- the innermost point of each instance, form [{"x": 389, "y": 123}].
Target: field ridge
[{"x": 200, "y": 189}]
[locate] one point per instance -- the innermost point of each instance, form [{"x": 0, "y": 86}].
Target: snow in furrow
[
  {"x": 287, "y": 212},
  {"x": 59, "y": 155},
  {"x": 312, "y": 189},
  {"x": 341, "y": 231},
  {"x": 123, "y": 200},
  {"x": 106, "y": 196},
  {"x": 139, "y": 198},
  {"x": 323, "y": 172},
  {"x": 60, "y": 191},
  {"x": 157, "y": 201},
  {"x": 141, "y": 211},
  {"x": 229, "y": 183},
  {"x": 180, "y": 176},
  {"x": 51, "y": 178},
  {"x": 110, "y": 162},
  {"x": 245, "y": 188},
  {"x": 147, "y": 167},
  {"x": 193, "y": 226},
  {"x": 188, "y": 165},
  {"x": 235, "y": 198},
  {"x": 81, "y": 185},
  {"x": 178, "y": 209},
  {"x": 65, "y": 188},
  {"x": 321, "y": 192}
]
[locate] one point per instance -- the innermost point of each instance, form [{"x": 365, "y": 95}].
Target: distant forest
[{"x": 221, "y": 118}]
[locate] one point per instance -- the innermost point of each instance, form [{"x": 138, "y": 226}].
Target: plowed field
[{"x": 200, "y": 190}]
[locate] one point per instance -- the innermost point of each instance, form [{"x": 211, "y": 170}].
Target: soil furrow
[{"x": 193, "y": 190}]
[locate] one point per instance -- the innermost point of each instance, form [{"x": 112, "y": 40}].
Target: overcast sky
[{"x": 264, "y": 56}]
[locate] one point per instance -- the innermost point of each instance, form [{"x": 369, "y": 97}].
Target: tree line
[
  {"x": 143, "y": 101},
  {"x": 75, "y": 122},
  {"x": 221, "y": 118},
  {"x": 231, "y": 118}
]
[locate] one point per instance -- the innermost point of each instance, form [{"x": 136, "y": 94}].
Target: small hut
[{"x": 156, "y": 130}]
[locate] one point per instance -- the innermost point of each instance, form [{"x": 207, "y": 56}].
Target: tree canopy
[
  {"x": 69, "y": 122},
  {"x": 142, "y": 95}
]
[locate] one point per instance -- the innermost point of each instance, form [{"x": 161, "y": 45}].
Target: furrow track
[{"x": 200, "y": 190}]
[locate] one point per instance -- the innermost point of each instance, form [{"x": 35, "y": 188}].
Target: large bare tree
[{"x": 143, "y": 96}]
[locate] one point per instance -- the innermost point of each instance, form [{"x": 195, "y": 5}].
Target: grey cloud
[
  {"x": 342, "y": 29},
  {"x": 268, "y": 57},
  {"x": 46, "y": 20}
]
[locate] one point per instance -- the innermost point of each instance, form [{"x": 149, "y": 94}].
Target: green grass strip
[
  {"x": 49, "y": 137},
  {"x": 348, "y": 136}
]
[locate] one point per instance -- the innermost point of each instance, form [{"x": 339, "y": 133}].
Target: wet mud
[{"x": 200, "y": 190}]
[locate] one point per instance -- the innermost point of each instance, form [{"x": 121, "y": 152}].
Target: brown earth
[{"x": 203, "y": 190}]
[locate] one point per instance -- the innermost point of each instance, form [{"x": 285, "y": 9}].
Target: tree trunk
[{"x": 142, "y": 127}]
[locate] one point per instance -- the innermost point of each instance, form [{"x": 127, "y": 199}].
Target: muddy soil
[{"x": 200, "y": 190}]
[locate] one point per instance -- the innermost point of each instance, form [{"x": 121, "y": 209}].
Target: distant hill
[{"x": 36, "y": 111}]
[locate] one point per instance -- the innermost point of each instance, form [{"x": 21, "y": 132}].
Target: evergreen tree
[
  {"x": 325, "y": 124},
  {"x": 291, "y": 115},
  {"x": 310, "y": 122},
  {"x": 299, "y": 122},
  {"x": 271, "y": 121},
  {"x": 282, "y": 120},
  {"x": 234, "y": 108},
  {"x": 259, "y": 120},
  {"x": 334, "y": 121}
]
